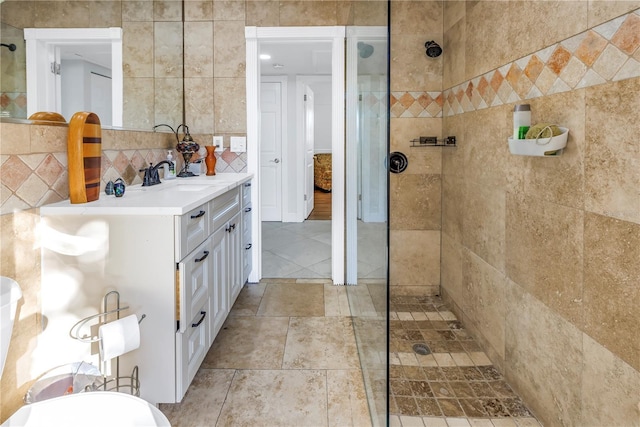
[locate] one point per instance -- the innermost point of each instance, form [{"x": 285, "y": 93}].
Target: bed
[{"x": 322, "y": 171}]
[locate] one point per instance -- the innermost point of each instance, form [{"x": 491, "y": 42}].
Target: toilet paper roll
[{"x": 119, "y": 337}]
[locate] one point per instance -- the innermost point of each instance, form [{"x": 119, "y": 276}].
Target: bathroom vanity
[{"x": 178, "y": 253}]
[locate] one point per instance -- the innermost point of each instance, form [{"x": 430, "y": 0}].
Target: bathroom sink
[
  {"x": 190, "y": 187},
  {"x": 96, "y": 409}
]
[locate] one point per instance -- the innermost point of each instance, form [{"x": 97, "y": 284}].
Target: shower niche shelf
[
  {"x": 433, "y": 141},
  {"x": 541, "y": 147}
]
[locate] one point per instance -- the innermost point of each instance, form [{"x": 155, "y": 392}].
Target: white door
[
  {"x": 308, "y": 149},
  {"x": 271, "y": 151}
]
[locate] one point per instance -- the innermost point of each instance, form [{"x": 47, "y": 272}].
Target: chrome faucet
[{"x": 151, "y": 176}]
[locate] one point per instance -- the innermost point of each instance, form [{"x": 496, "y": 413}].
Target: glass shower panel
[{"x": 367, "y": 207}]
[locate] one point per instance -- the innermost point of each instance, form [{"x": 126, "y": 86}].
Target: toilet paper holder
[
  {"x": 131, "y": 383},
  {"x": 74, "y": 332}
]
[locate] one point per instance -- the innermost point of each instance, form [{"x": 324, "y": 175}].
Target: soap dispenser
[{"x": 170, "y": 169}]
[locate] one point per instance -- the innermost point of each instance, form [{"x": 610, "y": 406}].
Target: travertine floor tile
[
  {"x": 249, "y": 343},
  {"x": 249, "y": 300},
  {"x": 311, "y": 346},
  {"x": 336, "y": 302},
  {"x": 286, "y": 299},
  {"x": 278, "y": 361},
  {"x": 203, "y": 401},
  {"x": 276, "y": 398},
  {"x": 347, "y": 401}
]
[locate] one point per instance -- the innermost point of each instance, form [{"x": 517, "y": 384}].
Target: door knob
[{"x": 276, "y": 160}]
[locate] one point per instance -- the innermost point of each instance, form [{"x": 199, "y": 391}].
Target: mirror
[
  {"x": 152, "y": 60},
  {"x": 13, "y": 84},
  {"x": 75, "y": 69}
]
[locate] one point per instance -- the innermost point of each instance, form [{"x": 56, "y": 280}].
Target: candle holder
[
  {"x": 184, "y": 172},
  {"x": 187, "y": 147}
]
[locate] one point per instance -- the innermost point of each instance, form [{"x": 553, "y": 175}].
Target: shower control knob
[{"x": 397, "y": 162}]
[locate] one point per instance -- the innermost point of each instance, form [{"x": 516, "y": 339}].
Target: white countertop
[{"x": 171, "y": 197}]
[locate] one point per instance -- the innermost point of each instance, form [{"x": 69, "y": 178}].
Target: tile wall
[
  {"x": 416, "y": 110},
  {"x": 540, "y": 256}
]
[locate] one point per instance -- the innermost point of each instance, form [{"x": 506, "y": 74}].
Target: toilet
[{"x": 95, "y": 408}]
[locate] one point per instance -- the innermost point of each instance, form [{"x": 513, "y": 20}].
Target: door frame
[
  {"x": 353, "y": 35},
  {"x": 41, "y": 44},
  {"x": 335, "y": 35}
]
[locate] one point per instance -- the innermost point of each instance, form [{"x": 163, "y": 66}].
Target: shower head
[
  {"x": 11, "y": 46},
  {"x": 364, "y": 50},
  {"x": 433, "y": 49}
]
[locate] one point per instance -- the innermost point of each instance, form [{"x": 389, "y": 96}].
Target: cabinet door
[
  {"x": 235, "y": 250},
  {"x": 219, "y": 288},
  {"x": 191, "y": 348},
  {"x": 246, "y": 244},
  {"x": 195, "y": 272}
]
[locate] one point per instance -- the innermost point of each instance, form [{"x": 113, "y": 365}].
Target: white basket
[{"x": 543, "y": 147}]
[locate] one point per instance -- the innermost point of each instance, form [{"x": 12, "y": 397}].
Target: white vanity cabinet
[{"x": 179, "y": 263}]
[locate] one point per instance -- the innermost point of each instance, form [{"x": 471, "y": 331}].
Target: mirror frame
[{"x": 41, "y": 83}]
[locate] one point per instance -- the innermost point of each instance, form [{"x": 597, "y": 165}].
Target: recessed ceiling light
[{"x": 265, "y": 56}]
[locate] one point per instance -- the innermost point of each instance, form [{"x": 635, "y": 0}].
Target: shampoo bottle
[
  {"x": 170, "y": 169},
  {"x": 521, "y": 120}
]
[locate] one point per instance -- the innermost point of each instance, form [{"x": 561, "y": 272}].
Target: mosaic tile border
[
  {"x": 606, "y": 53},
  {"x": 416, "y": 104}
]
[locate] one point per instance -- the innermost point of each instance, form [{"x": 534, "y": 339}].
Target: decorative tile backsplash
[
  {"x": 13, "y": 104},
  {"x": 606, "y": 53},
  {"x": 32, "y": 180}
]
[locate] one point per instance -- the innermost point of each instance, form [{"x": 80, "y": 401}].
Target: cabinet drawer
[
  {"x": 246, "y": 194},
  {"x": 192, "y": 229},
  {"x": 191, "y": 348},
  {"x": 224, "y": 207}
]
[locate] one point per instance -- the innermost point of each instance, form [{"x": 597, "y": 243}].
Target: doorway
[{"x": 293, "y": 200}]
